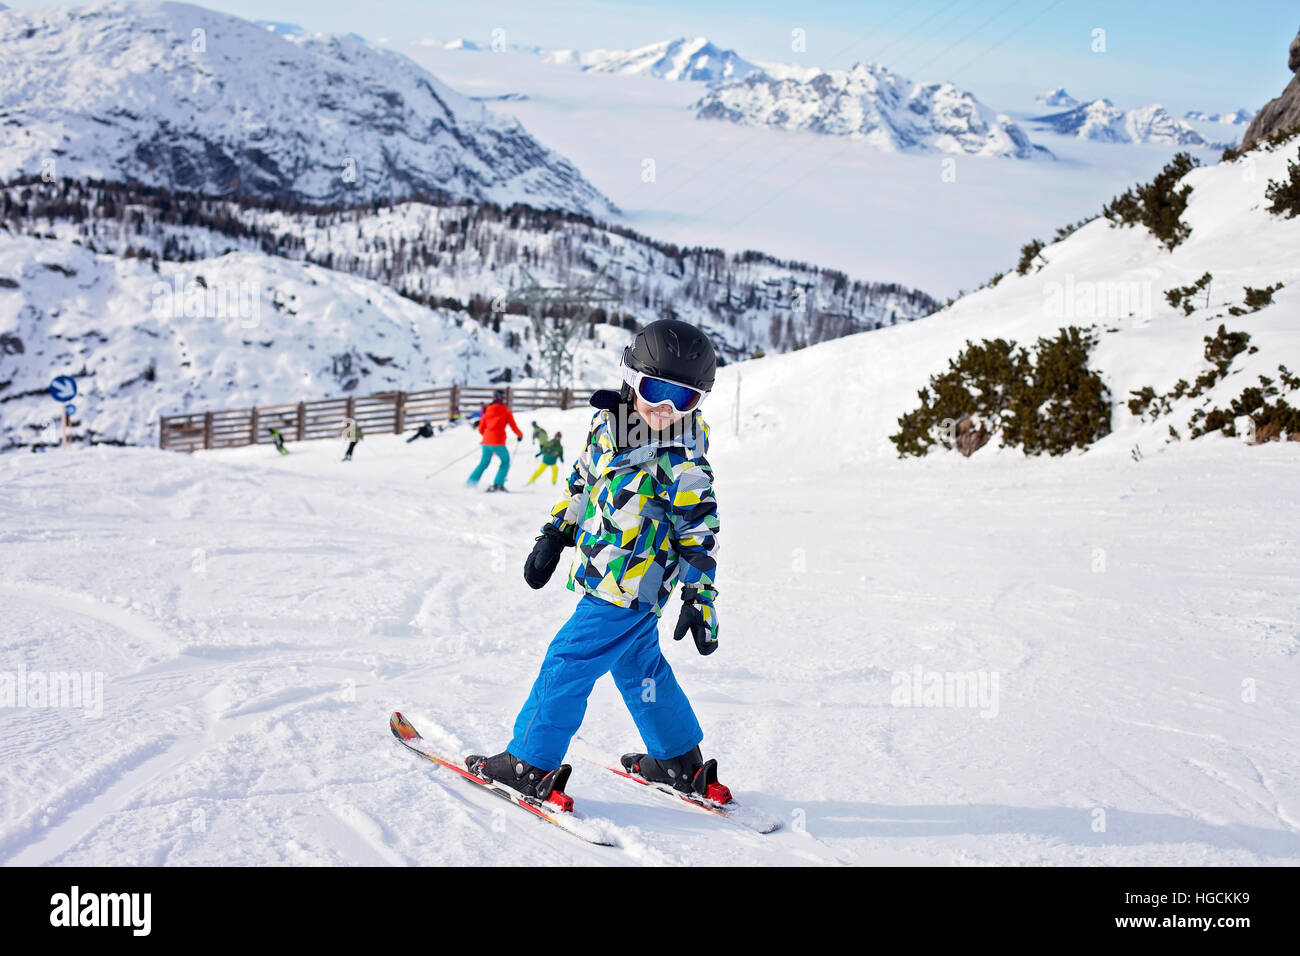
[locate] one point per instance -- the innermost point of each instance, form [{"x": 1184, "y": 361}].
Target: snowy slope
[
  {"x": 226, "y": 332},
  {"x": 697, "y": 60},
  {"x": 1133, "y": 623},
  {"x": 177, "y": 95},
  {"x": 1081, "y": 280},
  {"x": 873, "y": 103},
  {"x": 256, "y": 619}
]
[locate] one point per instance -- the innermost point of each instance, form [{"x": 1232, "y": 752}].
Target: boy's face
[{"x": 658, "y": 417}]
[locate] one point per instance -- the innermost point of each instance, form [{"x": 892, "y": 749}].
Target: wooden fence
[{"x": 397, "y": 412}]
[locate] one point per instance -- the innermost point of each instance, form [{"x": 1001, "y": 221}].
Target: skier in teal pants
[{"x": 492, "y": 426}]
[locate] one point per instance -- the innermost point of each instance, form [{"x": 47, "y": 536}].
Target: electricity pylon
[{"x": 556, "y": 334}]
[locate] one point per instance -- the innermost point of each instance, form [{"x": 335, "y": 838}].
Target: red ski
[
  {"x": 556, "y": 809},
  {"x": 718, "y": 801}
]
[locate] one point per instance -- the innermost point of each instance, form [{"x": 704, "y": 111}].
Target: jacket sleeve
[
  {"x": 693, "y": 511},
  {"x": 565, "y": 514}
]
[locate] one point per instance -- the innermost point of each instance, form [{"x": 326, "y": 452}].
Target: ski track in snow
[{"x": 257, "y": 618}]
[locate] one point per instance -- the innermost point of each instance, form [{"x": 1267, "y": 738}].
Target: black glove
[
  {"x": 698, "y": 617},
  {"x": 545, "y": 555}
]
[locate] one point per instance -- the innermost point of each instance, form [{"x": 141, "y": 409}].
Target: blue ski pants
[
  {"x": 604, "y": 638},
  {"x": 502, "y": 469}
]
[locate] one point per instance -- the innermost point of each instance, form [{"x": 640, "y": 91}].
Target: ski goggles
[{"x": 660, "y": 391}]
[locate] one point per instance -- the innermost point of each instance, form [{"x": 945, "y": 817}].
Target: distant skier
[
  {"x": 455, "y": 419},
  {"x": 424, "y": 431},
  {"x": 477, "y": 416},
  {"x": 279, "y": 441},
  {"x": 492, "y": 426},
  {"x": 353, "y": 434},
  {"x": 551, "y": 452},
  {"x": 643, "y": 479},
  {"x": 539, "y": 433}
]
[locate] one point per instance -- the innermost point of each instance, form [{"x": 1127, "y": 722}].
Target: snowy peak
[
  {"x": 1058, "y": 98},
  {"x": 697, "y": 60},
  {"x": 1101, "y": 121},
  {"x": 873, "y": 103},
  {"x": 1154, "y": 124},
  {"x": 176, "y": 95},
  {"x": 1240, "y": 117}
]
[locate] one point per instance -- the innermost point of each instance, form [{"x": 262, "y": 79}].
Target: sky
[{"x": 1189, "y": 54}]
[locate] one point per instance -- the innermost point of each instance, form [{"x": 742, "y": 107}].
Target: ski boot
[
  {"x": 688, "y": 774},
  {"x": 539, "y": 786},
  {"x": 496, "y": 487}
]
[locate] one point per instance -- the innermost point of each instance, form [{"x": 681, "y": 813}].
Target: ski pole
[{"x": 452, "y": 462}]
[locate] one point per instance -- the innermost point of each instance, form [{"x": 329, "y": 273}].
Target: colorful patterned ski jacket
[{"x": 645, "y": 516}]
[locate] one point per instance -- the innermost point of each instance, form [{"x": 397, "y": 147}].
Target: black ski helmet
[{"x": 674, "y": 350}]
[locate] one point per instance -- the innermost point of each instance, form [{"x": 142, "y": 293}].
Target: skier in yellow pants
[{"x": 551, "y": 452}]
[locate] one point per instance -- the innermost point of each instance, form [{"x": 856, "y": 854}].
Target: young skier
[
  {"x": 424, "y": 431},
  {"x": 279, "y": 441},
  {"x": 641, "y": 511},
  {"x": 352, "y": 432},
  {"x": 550, "y": 453},
  {"x": 492, "y": 426}
]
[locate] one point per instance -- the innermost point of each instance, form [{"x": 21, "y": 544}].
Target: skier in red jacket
[{"x": 492, "y": 426}]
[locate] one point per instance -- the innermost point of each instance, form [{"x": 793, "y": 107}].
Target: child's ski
[
  {"x": 733, "y": 812},
  {"x": 556, "y": 809}
]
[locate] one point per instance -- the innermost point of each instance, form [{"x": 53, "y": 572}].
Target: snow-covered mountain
[
  {"x": 1101, "y": 121},
  {"x": 871, "y": 102},
  {"x": 1241, "y": 117},
  {"x": 697, "y": 60},
  {"x": 185, "y": 97},
  {"x": 1057, "y": 97},
  {"x": 262, "y": 305},
  {"x": 229, "y": 331}
]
